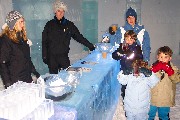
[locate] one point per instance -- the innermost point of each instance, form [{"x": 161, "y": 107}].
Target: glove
[
  {"x": 40, "y": 81},
  {"x": 168, "y": 69},
  {"x": 45, "y": 60},
  {"x": 111, "y": 31},
  {"x": 127, "y": 71},
  {"x": 120, "y": 50},
  {"x": 157, "y": 66},
  {"x": 145, "y": 71},
  {"x": 92, "y": 48}
]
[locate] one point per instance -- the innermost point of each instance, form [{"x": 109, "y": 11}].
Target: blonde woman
[{"x": 15, "y": 60}]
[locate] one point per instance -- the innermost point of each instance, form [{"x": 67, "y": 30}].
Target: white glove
[
  {"x": 119, "y": 54},
  {"x": 40, "y": 81}
]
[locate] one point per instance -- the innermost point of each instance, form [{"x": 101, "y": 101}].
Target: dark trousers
[
  {"x": 123, "y": 88},
  {"x": 58, "y": 62}
]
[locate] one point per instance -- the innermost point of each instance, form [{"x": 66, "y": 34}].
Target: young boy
[
  {"x": 127, "y": 53},
  {"x": 163, "y": 94},
  {"x": 137, "y": 96}
]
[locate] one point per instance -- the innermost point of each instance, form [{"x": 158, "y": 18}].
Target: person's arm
[
  {"x": 139, "y": 53},
  {"x": 152, "y": 80},
  {"x": 175, "y": 78},
  {"x": 123, "y": 79},
  {"x": 116, "y": 38},
  {"x": 76, "y": 35},
  {"x": 4, "y": 62},
  {"x": 45, "y": 44},
  {"x": 33, "y": 70},
  {"x": 117, "y": 54},
  {"x": 146, "y": 47},
  {"x": 136, "y": 53}
]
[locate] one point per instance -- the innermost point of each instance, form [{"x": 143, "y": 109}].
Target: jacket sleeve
[
  {"x": 116, "y": 37},
  {"x": 137, "y": 51},
  {"x": 33, "y": 70},
  {"x": 123, "y": 79},
  {"x": 146, "y": 47},
  {"x": 118, "y": 51},
  {"x": 175, "y": 78},
  {"x": 115, "y": 55},
  {"x": 5, "y": 50},
  {"x": 76, "y": 35},
  {"x": 152, "y": 80},
  {"x": 45, "y": 42}
]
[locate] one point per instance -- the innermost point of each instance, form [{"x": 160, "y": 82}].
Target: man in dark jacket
[{"x": 56, "y": 38}]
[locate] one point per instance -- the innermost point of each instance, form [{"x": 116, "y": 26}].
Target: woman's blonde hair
[{"x": 12, "y": 34}]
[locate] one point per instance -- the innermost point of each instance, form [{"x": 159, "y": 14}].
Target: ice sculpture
[
  {"x": 25, "y": 101},
  {"x": 104, "y": 48}
]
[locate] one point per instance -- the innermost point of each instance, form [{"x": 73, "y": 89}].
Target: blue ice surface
[{"x": 97, "y": 94}]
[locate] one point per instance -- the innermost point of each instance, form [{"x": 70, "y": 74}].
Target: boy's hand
[
  {"x": 120, "y": 50},
  {"x": 168, "y": 69},
  {"x": 157, "y": 66}
]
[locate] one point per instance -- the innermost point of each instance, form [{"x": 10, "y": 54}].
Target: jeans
[{"x": 163, "y": 112}]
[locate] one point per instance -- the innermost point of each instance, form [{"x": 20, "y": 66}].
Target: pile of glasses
[{"x": 22, "y": 101}]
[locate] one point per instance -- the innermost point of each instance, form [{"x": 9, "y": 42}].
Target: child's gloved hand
[
  {"x": 120, "y": 49},
  {"x": 157, "y": 66},
  {"x": 145, "y": 71},
  {"x": 168, "y": 69},
  {"x": 127, "y": 71}
]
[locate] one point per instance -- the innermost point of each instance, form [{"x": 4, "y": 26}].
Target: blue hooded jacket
[
  {"x": 124, "y": 59},
  {"x": 141, "y": 33}
]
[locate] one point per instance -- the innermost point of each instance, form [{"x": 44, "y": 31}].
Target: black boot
[
  {"x": 168, "y": 117},
  {"x": 123, "y": 88}
]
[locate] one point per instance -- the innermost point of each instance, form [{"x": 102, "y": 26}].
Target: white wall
[
  {"x": 5, "y": 7},
  {"x": 110, "y": 12},
  {"x": 162, "y": 20},
  {"x": 160, "y": 17}
]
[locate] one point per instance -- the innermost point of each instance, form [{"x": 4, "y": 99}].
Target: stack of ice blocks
[{"x": 23, "y": 101}]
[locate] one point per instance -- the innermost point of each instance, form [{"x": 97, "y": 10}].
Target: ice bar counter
[
  {"x": 93, "y": 98},
  {"x": 97, "y": 93}
]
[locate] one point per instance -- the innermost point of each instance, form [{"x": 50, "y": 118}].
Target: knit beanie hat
[
  {"x": 131, "y": 12},
  {"x": 12, "y": 18},
  {"x": 59, "y": 5}
]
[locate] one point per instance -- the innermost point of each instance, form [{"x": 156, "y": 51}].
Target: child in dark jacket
[{"x": 127, "y": 53}]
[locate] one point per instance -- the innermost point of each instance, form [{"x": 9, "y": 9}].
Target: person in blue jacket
[{"x": 142, "y": 34}]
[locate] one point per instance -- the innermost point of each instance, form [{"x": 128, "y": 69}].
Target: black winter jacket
[
  {"x": 15, "y": 62},
  {"x": 124, "y": 61},
  {"x": 56, "y": 37}
]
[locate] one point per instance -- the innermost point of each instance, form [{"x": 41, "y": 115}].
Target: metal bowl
[{"x": 61, "y": 85}]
